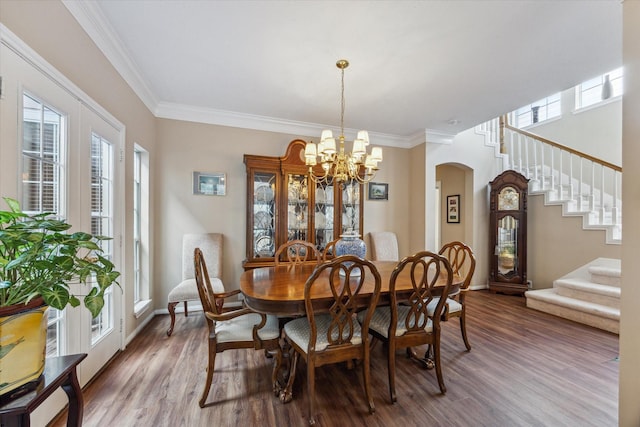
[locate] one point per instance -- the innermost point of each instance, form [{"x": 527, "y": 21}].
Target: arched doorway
[{"x": 455, "y": 204}]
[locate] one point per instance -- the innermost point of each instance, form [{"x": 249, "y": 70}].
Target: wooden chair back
[
  {"x": 346, "y": 280},
  {"x": 329, "y": 250},
  {"x": 426, "y": 270},
  {"x": 462, "y": 260},
  {"x": 208, "y": 298},
  {"x": 297, "y": 252}
]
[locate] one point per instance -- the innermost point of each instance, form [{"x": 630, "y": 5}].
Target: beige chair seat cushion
[
  {"x": 382, "y": 317},
  {"x": 453, "y": 306},
  {"x": 241, "y": 328},
  {"x": 187, "y": 290},
  {"x": 299, "y": 331}
]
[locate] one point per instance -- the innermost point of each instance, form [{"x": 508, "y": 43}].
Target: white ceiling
[{"x": 416, "y": 66}]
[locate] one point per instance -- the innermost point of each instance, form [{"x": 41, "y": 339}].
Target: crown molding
[
  {"x": 212, "y": 116},
  {"x": 439, "y": 137},
  {"x": 92, "y": 20}
]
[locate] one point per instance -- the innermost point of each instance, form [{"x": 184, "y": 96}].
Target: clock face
[{"x": 508, "y": 199}]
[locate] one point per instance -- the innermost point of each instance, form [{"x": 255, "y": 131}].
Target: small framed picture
[
  {"x": 453, "y": 209},
  {"x": 209, "y": 183},
  {"x": 378, "y": 191}
]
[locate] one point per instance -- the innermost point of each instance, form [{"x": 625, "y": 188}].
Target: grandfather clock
[{"x": 508, "y": 233}]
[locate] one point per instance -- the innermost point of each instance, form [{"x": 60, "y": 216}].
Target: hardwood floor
[{"x": 526, "y": 368}]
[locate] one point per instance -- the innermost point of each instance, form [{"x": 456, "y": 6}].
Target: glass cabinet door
[
  {"x": 264, "y": 214},
  {"x": 350, "y": 220},
  {"x": 297, "y": 206},
  {"x": 323, "y": 215}
]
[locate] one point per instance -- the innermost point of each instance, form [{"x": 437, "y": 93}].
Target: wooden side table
[{"x": 58, "y": 372}]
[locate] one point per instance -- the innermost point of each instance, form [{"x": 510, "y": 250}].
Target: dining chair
[
  {"x": 234, "y": 328},
  {"x": 384, "y": 246},
  {"x": 296, "y": 252},
  {"x": 463, "y": 264},
  {"x": 332, "y": 334},
  {"x": 329, "y": 250},
  {"x": 186, "y": 290},
  {"x": 406, "y": 323}
]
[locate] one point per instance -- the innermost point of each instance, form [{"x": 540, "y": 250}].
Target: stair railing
[{"x": 593, "y": 185}]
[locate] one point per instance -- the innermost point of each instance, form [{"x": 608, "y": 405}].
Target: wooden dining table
[{"x": 280, "y": 291}]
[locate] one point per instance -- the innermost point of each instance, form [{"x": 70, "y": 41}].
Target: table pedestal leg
[{"x": 427, "y": 361}]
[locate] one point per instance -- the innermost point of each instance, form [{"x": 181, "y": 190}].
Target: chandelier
[{"x": 336, "y": 164}]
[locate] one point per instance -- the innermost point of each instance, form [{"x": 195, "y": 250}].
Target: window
[
  {"x": 137, "y": 219},
  {"x": 42, "y": 168},
  {"x": 142, "y": 299},
  {"x": 43, "y": 142},
  {"x": 102, "y": 221},
  {"x": 597, "y": 90},
  {"x": 539, "y": 111}
]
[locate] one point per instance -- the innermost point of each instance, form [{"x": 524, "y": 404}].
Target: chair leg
[
  {"x": 210, "y": 367},
  {"x": 436, "y": 357},
  {"x": 391, "y": 368},
  {"x": 463, "y": 329},
  {"x": 186, "y": 312},
  {"x": 366, "y": 373},
  {"x": 311, "y": 391},
  {"x": 172, "y": 312}
]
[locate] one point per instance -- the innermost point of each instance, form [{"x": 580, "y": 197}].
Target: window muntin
[
  {"x": 43, "y": 142},
  {"x": 590, "y": 92},
  {"x": 102, "y": 222},
  {"x": 539, "y": 111},
  {"x": 137, "y": 221}
]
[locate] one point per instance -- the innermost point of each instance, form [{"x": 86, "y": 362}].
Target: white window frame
[
  {"x": 141, "y": 282},
  {"x": 589, "y": 92},
  {"x": 549, "y": 108}
]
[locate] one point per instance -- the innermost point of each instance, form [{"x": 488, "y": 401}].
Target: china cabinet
[
  {"x": 284, "y": 203},
  {"x": 508, "y": 233}
]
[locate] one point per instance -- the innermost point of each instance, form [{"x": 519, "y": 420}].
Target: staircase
[
  {"x": 581, "y": 184},
  {"x": 588, "y": 295}
]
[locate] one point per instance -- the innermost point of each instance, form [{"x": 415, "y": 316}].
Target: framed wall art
[
  {"x": 453, "y": 209},
  {"x": 378, "y": 191},
  {"x": 209, "y": 183}
]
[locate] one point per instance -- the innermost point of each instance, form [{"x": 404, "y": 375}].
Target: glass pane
[
  {"x": 507, "y": 248},
  {"x": 102, "y": 221},
  {"x": 323, "y": 215},
  {"x": 297, "y": 207},
  {"x": 264, "y": 212},
  {"x": 350, "y": 207},
  {"x": 41, "y": 181}
]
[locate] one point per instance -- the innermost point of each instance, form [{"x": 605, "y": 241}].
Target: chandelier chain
[{"x": 342, "y": 104}]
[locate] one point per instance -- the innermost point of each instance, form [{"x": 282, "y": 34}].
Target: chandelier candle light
[{"x": 336, "y": 164}]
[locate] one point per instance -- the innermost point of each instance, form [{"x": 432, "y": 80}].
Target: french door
[{"x": 61, "y": 153}]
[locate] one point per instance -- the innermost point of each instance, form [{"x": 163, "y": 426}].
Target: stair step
[
  {"x": 607, "y": 274},
  {"x": 584, "y": 290},
  {"x": 588, "y": 313}
]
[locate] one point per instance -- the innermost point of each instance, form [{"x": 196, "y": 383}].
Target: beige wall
[
  {"x": 417, "y": 214},
  {"x": 557, "y": 245},
  {"x": 184, "y": 147},
  {"x": 629, "y": 408},
  {"x": 49, "y": 29}
]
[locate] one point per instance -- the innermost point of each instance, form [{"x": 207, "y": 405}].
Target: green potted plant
[{"x": 39, "y": 261}]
